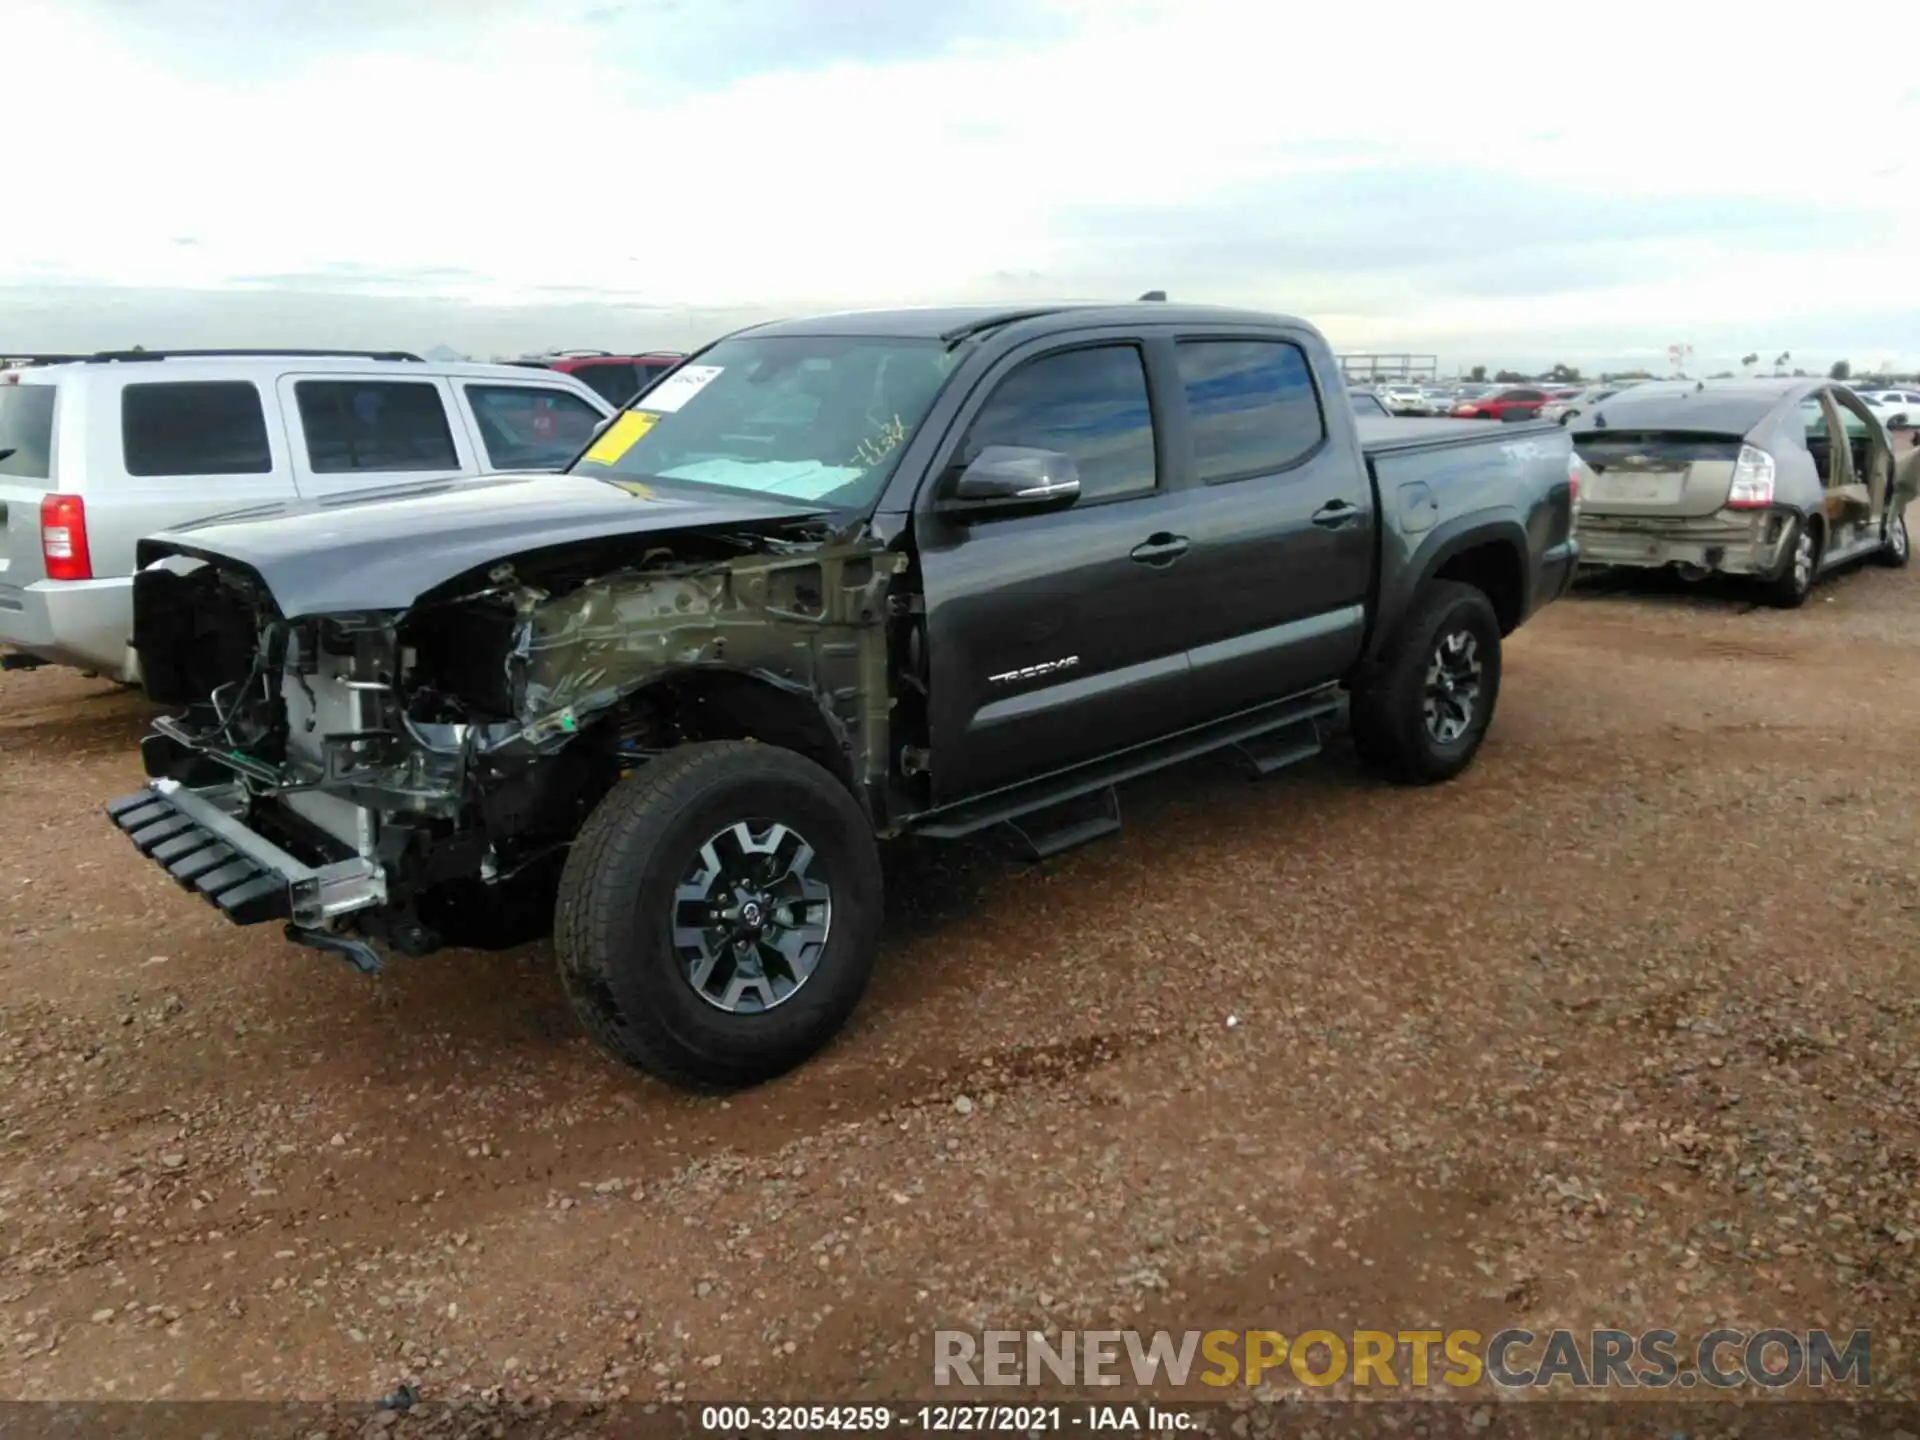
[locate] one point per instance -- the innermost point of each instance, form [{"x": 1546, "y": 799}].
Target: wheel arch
[
  {"x": 1487, "y": 552},
  {"x": 715, "y": 703}
]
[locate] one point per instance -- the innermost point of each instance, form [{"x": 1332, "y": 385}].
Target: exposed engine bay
[{"x": 465, "y": 738}]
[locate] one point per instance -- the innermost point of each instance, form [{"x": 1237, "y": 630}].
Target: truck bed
[{"x": 1396, "y": 433}]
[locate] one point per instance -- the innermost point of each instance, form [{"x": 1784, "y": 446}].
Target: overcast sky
[{"x": 1499, "y": 186}]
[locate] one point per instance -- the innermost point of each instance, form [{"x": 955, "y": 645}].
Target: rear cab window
[
  {"x": 1089, "y": 403},
  {"x": 1252, "y": 408},
  {"x": 26, "y": 430},
  {"x": 194, "y": 427},
  {"x": 375, "y": 425}
]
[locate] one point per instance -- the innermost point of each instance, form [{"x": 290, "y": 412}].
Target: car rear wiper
[{"x": 9, "y": 452}]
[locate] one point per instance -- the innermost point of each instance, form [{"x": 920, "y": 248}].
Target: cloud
[{"x": 1398, "y": 177}]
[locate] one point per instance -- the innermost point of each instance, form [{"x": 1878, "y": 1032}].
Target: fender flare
[{"x": 1438, "y": 546}]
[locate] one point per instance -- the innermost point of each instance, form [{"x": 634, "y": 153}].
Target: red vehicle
[
  {"x": 1514, "y": 402},
  {"x": 616, "y": 378}
]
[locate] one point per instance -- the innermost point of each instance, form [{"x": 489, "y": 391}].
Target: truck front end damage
[{"x": 349, "y": 772}]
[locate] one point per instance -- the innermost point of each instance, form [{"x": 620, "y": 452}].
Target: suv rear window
[
  {"x": 194, "y": 427},
  {"x": 374, "y": 425},
  {"x": 26, "y": 431}
]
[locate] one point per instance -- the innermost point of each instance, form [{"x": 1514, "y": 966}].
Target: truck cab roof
[{"x": 953, "y": 323}]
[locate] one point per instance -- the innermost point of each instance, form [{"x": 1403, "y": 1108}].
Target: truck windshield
[{"x": 816, "y": 418}]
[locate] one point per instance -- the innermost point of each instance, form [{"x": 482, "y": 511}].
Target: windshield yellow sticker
[{"x": 620, "y": 436}]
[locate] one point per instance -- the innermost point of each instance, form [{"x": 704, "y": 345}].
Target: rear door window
[
  {"x": 652, "y": 370},
  {"x": 1091, "y": 404},
  {"x": 384, "y": 425},
  {"x": 26, "y": 431},
  {"x": 612, "y": 380},
  {"x": 530, "y": 427},
  {"x": 1251, "y": 406},
  {"x": 194, "y": 427}
]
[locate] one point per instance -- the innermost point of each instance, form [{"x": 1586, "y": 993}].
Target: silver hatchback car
[
  {"x": 1775, "y": 480},
  {"x": 96, "y": 453}
]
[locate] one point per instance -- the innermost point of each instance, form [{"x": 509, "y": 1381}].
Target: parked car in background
[
  {"x": 96, "y": 453},
  {"x": 1778, "y": 480},
  {"x": 1405, "y": 400},
  {"x": 615, "y": 378},
  {"x": 1571, "y": 407},
  {"x": 927, "y": 572},
  {"x": 1366, "y": 402},
  {"x": 1897, "y": 409},
  {"x": 1510, "y": 402}
]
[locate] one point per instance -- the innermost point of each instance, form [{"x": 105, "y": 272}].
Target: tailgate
[
  {"x": 1656, "y": 474},
  {"x": 26, "y": 470}
]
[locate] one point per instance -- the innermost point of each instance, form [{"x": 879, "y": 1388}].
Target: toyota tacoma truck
[{"x": 829, "y": 581}]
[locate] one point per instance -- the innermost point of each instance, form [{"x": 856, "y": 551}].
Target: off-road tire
[
  {"x": 1790, "y": 588},
  {"x": 1388, "y": 711},
  {"x": 1896, "y": 548},
  {"x": 613, "y": 922}
]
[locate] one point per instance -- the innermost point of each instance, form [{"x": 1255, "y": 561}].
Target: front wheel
[
  {"x": 1421, "y": 710},
  {"x": 719, "y": 914},
  {"x": 1895, "y": 547}
]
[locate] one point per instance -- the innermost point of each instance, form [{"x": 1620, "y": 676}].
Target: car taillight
[
  {"x": 1752, "y": 487},
  {"x": 1577, "y": 472},
  {"x": 63, "y": 538}
]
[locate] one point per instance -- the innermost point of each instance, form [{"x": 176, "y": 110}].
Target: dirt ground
[{"x": 1620, "y": 1028}]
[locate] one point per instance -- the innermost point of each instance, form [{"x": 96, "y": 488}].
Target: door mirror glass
[{"x": 1013, "y": 480}]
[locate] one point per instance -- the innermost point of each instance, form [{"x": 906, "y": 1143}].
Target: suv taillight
[
  {"x": 1752, "y": 487},
  {"x": 63, "y": 537}
]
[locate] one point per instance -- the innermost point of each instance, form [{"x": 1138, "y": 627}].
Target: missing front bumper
[{"x": 197, "y": 837}]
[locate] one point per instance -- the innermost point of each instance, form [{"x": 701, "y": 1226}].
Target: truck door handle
[
  {"x": 1160, "y": 549},
  {"x": 1334, "y": 514}
]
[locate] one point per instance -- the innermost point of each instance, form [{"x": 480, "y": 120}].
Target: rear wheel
[
  {"x": 1789, "y": 589},
  {"x": 1895, "y": 546},
  {"x": 1420, "y": 712},
  {"x": 719, "y": 914}
]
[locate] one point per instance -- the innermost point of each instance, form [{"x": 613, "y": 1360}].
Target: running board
[
  {"x": 1274, "y": 724},
  {"x": 1073, "y": 823},
  {"x": 1288, "y": 745}
]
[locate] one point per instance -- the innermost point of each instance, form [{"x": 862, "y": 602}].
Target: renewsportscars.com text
[{"x": 1415, "y": 1359}]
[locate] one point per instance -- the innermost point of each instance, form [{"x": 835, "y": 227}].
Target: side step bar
[
  {"x": 1267, "y": 738},
  {"x": 1042, "y": 834},
  {"x": 189, "y": 835},
  {"x": 189, "y": 847}
]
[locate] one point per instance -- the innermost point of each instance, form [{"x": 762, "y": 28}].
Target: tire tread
[
  {"x": 593, "y": 903},
  {"x": 1384, "y": 716}
]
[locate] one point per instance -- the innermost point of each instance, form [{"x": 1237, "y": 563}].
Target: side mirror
[{"x": 1006, "y": 480}]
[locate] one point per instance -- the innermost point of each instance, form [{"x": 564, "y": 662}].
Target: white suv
[{"x": 96, "y": 453}]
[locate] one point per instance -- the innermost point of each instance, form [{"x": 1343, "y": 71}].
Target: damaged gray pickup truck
[{"x": 929, "y": 572}]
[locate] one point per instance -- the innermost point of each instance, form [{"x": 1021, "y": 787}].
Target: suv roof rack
[
  {"x": 23, "y": 360},
  {"x": 107, "y": 357},
  {"x": 1154, "y": 295},
  {"x": 576, "y": 354}
]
